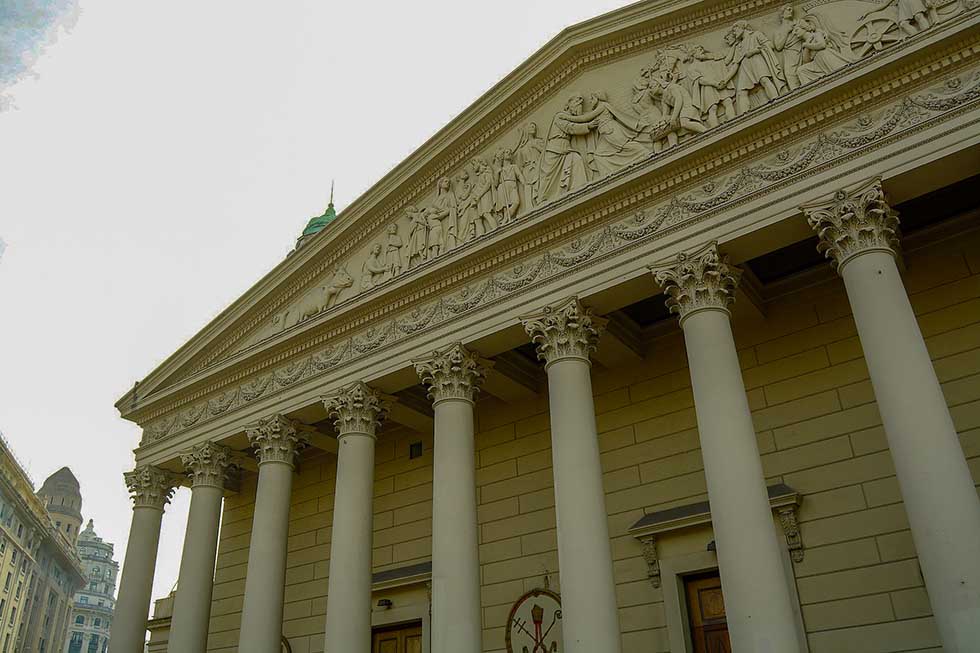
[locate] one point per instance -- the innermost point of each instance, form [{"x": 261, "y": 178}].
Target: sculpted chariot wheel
[{"x": 875, "y": 33}]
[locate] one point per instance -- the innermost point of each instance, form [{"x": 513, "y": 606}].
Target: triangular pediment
[{"x": 603, "y": 100}]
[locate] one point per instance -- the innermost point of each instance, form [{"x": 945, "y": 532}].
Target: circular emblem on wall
[{"x": 534, "y": 625}]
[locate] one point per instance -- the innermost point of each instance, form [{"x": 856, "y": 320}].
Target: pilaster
[
  {"x": 698, "y": 281},
  {"x": 854, "y": 221},
  {"x": 452, "y": 373},
  {"x": 564, "y": 330}
]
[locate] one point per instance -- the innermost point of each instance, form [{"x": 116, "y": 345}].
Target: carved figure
[
  {"x": 373, "y": 269},
  {"x": 325, "y": 297},
  {"x": 755, "y": 64},
  {"x": 393, "y": 251},
  {"x": 566, "y": 163},
  {"x": 787, "y": 41},
  {"x": 913, "y": 15},
  {"x": 527, "y": 155},
  {"x": 418, "y": 237},
  {"x": 465, "y": 209},
  {"x": 678, "y": 107},
  {"x": 443, "y": 218},
  {"x": 821, "y": 55},
  {"x": 644, "y": 104},
  {"x": 621, "y": 137},
  {"x": 510, "y": 178},
  {"x": 711, "y": 83}
]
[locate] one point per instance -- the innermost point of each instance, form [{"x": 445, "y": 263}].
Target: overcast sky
[{"x": 157, "y": 158}]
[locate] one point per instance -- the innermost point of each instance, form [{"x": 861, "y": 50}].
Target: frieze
[
  {"x": 653, "y": 222},
  {"x": 684, "y": 89}
]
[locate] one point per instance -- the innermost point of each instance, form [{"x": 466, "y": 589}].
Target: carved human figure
[
  {"x": 678, "y": 108},
  {"x": 913, "y": 15},
  {"x": 483, "y": 199},
  {"x": 510, "y": 179},
  {"x": 755, "y": 64},
  {"x": 373, "y": 269},
  {"x": 466, "y": 210},
  {"x": 644, "y": 103},
  {"x": 443, "y": 218},
  {"x": 621, "y": 137},
  {"x": 393, "y": 251},
  {"x": 712, "y": 86},
  {"x": 527, "y": 155},
  {"x": 418, "y": 237},
  {"x": 567, "y": 162},
  {"x": 821, "y": 54},
  {"x": 787, "y": 41}
]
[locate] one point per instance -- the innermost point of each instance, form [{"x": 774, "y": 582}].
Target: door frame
[{"x": 404, "y": 616}]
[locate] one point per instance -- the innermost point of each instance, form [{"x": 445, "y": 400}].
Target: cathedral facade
[{"x": 670, "y": 342}]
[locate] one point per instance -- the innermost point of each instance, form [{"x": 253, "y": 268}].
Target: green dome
[{"x": 317, "y": 224}]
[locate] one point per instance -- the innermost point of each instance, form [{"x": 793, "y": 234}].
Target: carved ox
[{"x": 323, "y": 298}]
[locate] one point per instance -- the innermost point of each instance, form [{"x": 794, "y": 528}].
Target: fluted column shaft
[
  {"x": 357, "y": 411},
  {"x": 758, "y": 601},
  {"x": 453, "y": 377},
  {"x": 151, "y": 489},
  {"x": 565, "y": 334},
  {"x": 859, "y": 231},
  {"x": 208, "y": 465},
  {"x": 276, "y": 441}
]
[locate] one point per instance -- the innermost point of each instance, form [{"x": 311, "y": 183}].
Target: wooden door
[
  {"x": 401, "y": 639},
  {"x": 706, "y": 611}
]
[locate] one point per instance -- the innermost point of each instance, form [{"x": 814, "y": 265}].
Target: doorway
[
  {"x": 706, "y": 613},
  {"x": 397, "y": 639}
]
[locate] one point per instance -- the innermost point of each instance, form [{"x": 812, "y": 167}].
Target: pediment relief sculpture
[
  {"x": 822, "y": 150},
  {"x": 628, "y": 113}
]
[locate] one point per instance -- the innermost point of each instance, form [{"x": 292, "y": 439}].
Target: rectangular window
[
  {"x": 6, "y": 643},
  {"x": 13, "y": 558},
  {"x": 6, "y": 583},
  {"x": 20, "y": 586},
  {"x": 13, "y": 615}
]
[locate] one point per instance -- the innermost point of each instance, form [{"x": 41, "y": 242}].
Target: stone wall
[{"x": 818, "y": 428}]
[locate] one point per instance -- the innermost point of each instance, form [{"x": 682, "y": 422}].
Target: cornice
[
  {"x": 810, "y": 152},
  {"x": 595, "y": 42},
  {"x": 790, "y": 119}
]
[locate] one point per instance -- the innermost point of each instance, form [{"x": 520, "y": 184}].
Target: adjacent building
[
  {"x": 39, "y": 568},
  {"x": 91, "y": 617},
  {"x": 670, "y": 342}
]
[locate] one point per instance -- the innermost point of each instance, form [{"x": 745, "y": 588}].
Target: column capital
[
  {"x": 357, "y": 408},
  {"x": 150, "y": 487},
  {"x": 564, "y": 330},
  {"x": 854, "y": 221},
  {"x": 697, "y": 281},
  {"x": 276, "y": 440},
  {"x": 208, "y": 464},
  {"x": 452, "y": 373}
]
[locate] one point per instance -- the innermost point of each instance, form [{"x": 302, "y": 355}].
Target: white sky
[{"x": 162, "y": 156}]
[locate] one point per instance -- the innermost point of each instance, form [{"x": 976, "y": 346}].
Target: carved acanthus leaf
[
  {"x": 566, "y": 329},
  {"x": 150, "y": 487},
  {"x": 854, "y": 221},
  {"x": 208, "y": 464},
  {"x": 357, "y": 409},
  {"x": 276, "y": 439},
  {"x": 452, "y": 373},
  {"x": 697, "y": 281}
]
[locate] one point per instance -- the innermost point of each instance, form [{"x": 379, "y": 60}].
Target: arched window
[{"x": 80, "y": 620}]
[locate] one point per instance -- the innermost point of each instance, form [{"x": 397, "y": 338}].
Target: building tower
[
  {"x": 91, "y": 616},
  {"x": 63, "y": 500}
]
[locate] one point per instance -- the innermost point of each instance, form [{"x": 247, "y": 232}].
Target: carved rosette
[
  {"x": 208, "y": 465},
  {"x": 702, "y": 280},
  {"x": 276, "y": 440},
  {"x": 150, "y": 487},
  {"x": 357, "y": 409},
  {"x": 453, "y": 373},
  {"x": 854, "y": 221},
  {"x": 565, "y": 330}
]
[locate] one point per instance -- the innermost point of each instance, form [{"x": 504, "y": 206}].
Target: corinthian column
[
  {"x": 151, "y": 489},
  {"x": 858, "y": 230},
  {"x": 208, "y": 465},
  {"x": 566, "y": 334},
  {"x": 276, "y": 441},
  {"x": 357, "y": 411},
  {"x": 758, "y": 601},
  {"x": 453, "y": 377}
]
